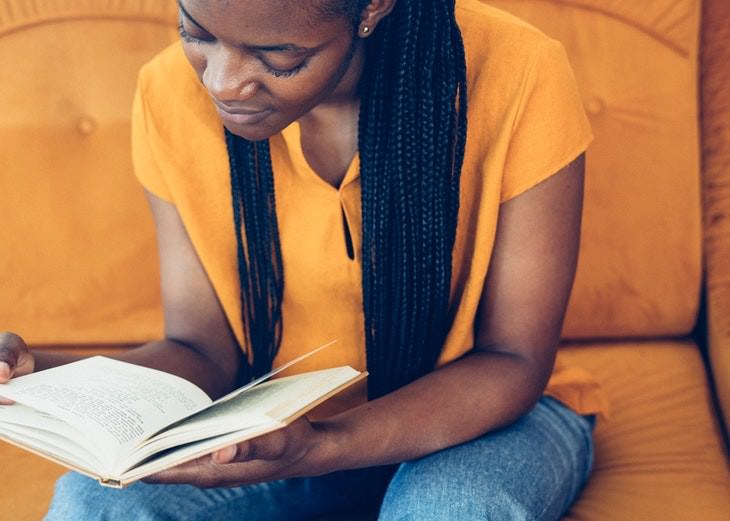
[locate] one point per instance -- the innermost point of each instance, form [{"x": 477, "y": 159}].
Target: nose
[{"x": 228, "y": 76}]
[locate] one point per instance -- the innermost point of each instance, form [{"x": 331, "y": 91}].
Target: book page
[
  {"x": 254, "y": 416},
  {"x": 115, "y": 403},
  {"x": 190, "y": 451},
  {"x": 51, "y": 435},
  {"x": 280, "y": 401},
  {"x": 275, "y": 399},
  {"x": 271, "y": 374},
  {"x": 268, "y": 404}
]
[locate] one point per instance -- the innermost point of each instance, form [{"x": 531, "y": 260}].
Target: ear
[{"x": 371, "y": 16}]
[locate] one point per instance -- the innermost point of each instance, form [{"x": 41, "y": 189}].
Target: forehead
[{"x": 265, "y": 16}]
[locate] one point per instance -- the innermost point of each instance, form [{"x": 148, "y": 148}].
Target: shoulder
[
  {"x": 512, "y": 68},
  {"x": 171, "y": 91},
  {"x": 167, "y": 69},
  {"x": 487, "y": 30},
  {"x": 525, "y": 110},
  {"x": 173, "y": 105},
  {"x": 502, "y": 49}
]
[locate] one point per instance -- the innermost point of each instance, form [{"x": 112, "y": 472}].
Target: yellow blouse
[{"x": 526, "y": 122}]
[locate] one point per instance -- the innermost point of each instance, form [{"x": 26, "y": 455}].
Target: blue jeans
[{"x": 532, "y": 470}]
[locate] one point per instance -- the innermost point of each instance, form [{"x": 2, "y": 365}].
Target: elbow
[{"x": 524, "y": 377}]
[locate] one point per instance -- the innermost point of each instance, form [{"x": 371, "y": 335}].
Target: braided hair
[{"x": 412, "y": 134}]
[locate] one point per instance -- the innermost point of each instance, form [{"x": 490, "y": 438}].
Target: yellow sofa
[{"x": 650, "y": 313}]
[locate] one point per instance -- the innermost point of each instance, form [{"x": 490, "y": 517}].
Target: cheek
[
  {"x": 305, "y": 90},
  {"x": 295, "y": 96}
]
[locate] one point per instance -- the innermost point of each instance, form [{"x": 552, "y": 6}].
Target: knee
[
  {"x": 81, "y": 498},
  {"x": 72, "y": 498},
  {"x": 427, "y": 492}
]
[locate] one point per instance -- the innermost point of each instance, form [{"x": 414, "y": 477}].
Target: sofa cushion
[
  {"x": 636, "y": 64},
  {"x": 79, "y": 262},
  {"x": 658, "y": 456}
]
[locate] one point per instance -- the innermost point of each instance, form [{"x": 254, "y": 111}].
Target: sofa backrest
[
  {"x": 636, "y": 63},
  {"x": 79, "y": 264},
  {"x": 78, "y": 261}
]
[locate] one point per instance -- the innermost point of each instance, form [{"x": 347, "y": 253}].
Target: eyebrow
[{"x": 283, "y": 47}]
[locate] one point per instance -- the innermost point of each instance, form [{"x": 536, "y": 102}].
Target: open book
[{"x": 119, "y": 422}]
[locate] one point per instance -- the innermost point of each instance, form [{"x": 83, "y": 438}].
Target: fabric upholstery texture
[
  {"x": 80, "y": 258},
  {"x": 628, "y": 283},
  {"x": 76, "y": 226},
  {"x": 659, "y": 457},
  {"x": 636, "y": 65}
]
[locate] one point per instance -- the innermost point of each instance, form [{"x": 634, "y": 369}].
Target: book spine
[{"x": 111, "y": 482}]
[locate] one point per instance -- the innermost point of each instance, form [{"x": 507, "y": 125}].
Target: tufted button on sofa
[{"x": 650, "y": 312}]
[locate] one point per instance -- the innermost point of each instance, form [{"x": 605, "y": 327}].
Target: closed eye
[
  {"x": 285, "y": 73},
  {"x": 189, "y": 38}
]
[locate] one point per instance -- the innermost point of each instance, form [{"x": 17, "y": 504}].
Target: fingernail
[
  {"x": 225, "y": 455},
  {"x": 4, "y": 370}
]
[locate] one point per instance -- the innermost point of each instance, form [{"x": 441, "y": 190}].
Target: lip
[{"x": 242, "y": 117}]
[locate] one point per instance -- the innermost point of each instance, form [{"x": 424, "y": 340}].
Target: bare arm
[
  {"x": 517, "y": 333},
  {"x": 198, "y": 344}
]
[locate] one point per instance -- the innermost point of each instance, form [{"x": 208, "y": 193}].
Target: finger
[
  {"x": 12, "y": 349},
  {"x": 228, "y": 454},
  {"x": 269, "y": 447},
  {"x": 5, "y": 375},
  {"x": 8, "y": 361},
  {"x": 5, "y": 372},
  {"x": 232, "y": 474},
  {"x": 183, "y": 473},
  {"x": 273, "y": 446},
  {"x": 15, "y": 357},
  {"x": 25, "y": 364}
]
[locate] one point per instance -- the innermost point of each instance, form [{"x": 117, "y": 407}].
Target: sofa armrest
[{"x": 716, "y": 181}]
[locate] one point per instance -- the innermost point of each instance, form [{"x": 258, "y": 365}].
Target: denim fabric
[{"x": 532, "y": 470}]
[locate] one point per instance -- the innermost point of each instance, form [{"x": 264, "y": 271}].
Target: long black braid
[{"x": 412, "y": 134}]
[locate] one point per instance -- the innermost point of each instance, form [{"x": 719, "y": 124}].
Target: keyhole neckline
[{"x": 292, "y": 136}]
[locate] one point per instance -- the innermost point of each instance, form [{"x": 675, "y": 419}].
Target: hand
[
  {"x": 15, "y": 360},
  {"x": 294, "y": 451}
]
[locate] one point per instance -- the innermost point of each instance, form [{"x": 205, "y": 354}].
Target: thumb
[
  {"x": 15, "y": 359},
  {"x": 225, "y": 455},
  {"x": 5, "y": 375},
  {"x": 6, "y": 369}
]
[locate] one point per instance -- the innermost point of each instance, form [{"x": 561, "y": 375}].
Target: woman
[{"x": 405, "y": 176}]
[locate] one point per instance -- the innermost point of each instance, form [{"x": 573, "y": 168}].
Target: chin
[{"x": 251, "y": 133}]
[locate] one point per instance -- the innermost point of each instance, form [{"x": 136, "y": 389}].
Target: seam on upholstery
[
  {"x": 84, "y": 18},
  {"x": 18, "y": 14},
  {"x": 671, "y": 43}
]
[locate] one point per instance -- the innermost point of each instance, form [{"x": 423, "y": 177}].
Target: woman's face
[{"x": 266, "y": 63}]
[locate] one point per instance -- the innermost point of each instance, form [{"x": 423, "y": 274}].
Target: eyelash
[
  {"x": 288, "y": 73},
  {"x": 187, "y": 38},
  {"x": 278, "y": 73}
]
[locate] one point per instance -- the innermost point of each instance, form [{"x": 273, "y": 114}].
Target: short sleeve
[
  {"x": 144, "y": 139},
  {"x": 550, "y": 127}
]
